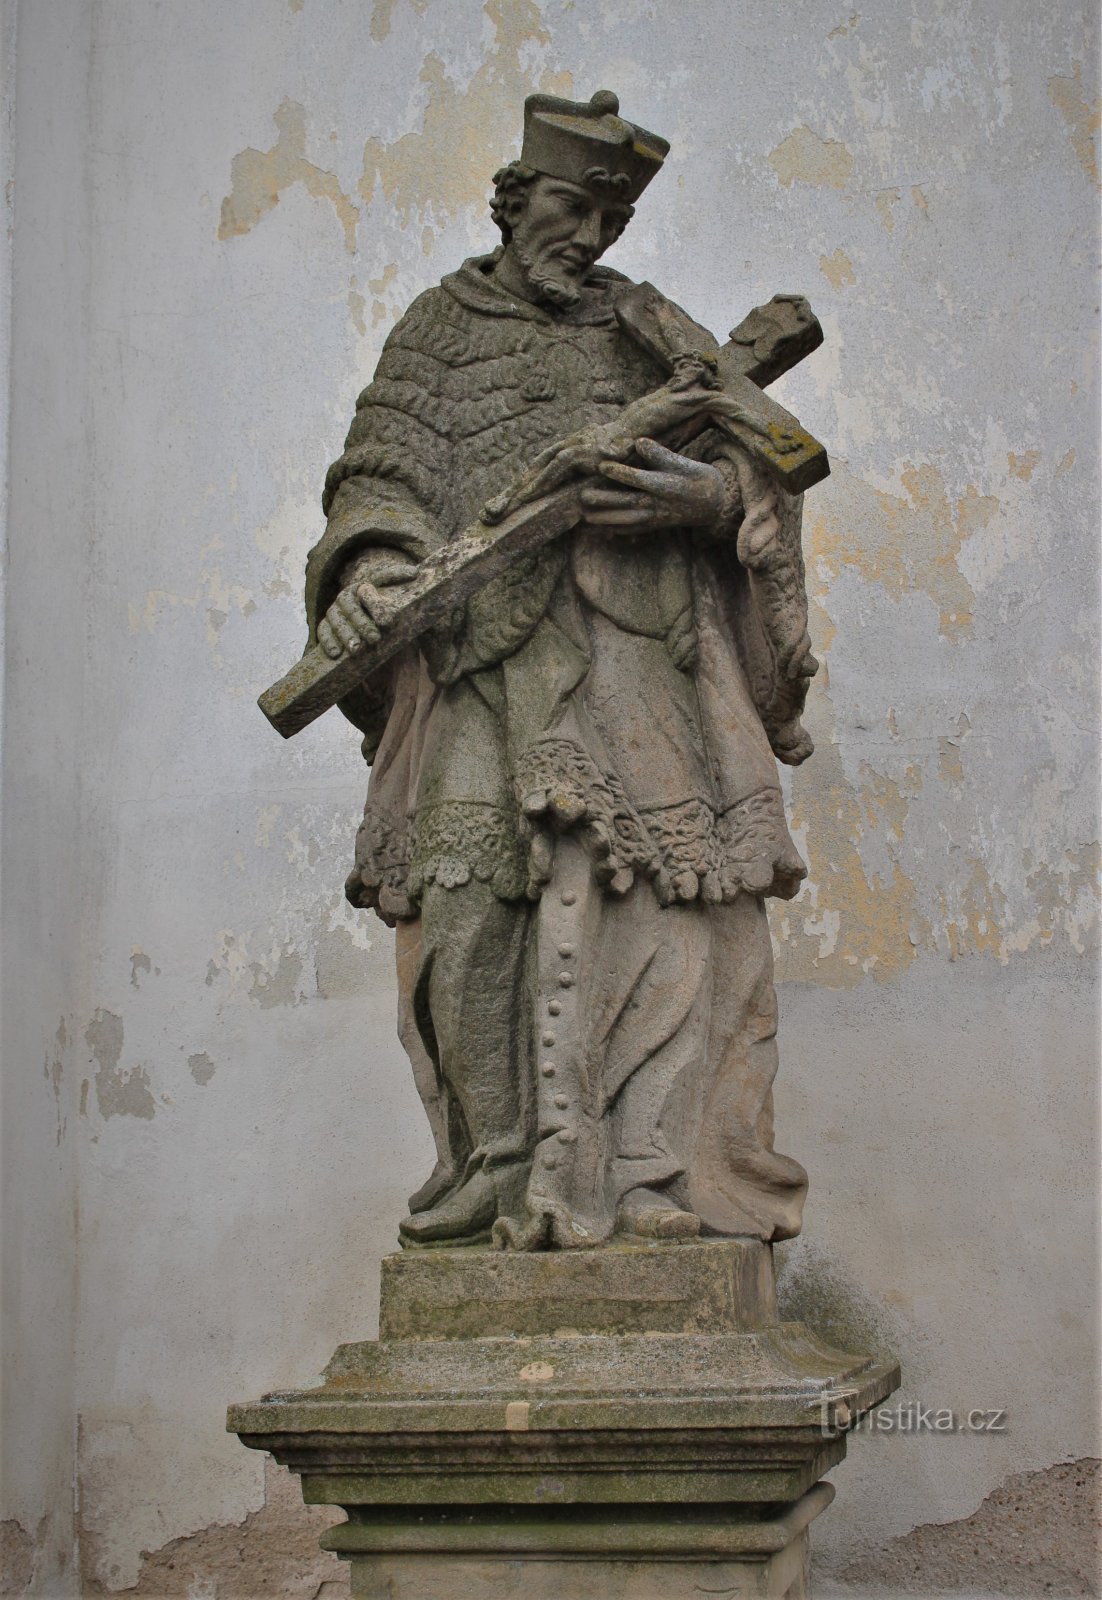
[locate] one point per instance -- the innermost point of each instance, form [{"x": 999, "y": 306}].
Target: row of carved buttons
[{"x": 554, "y": 1007}]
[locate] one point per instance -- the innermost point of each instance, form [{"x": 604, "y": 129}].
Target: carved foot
[
  {"x": 652, "y": 1215},
  {"x": 464, "y": 1218}
]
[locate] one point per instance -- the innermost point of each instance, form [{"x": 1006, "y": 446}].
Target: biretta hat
[{"x": 590, "y": 144}]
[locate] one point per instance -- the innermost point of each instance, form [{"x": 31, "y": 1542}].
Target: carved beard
[{"x": 546, "y": 281}]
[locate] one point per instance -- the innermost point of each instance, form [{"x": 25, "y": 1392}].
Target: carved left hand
[{"x": 672, "y": 491}]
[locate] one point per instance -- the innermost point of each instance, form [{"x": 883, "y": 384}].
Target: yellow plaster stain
[
  {"x": 883, "y": 203},
  {"x": 1083, "y": 120},
  {"x": 806, "y": 158},
  {"x": 974, "y": 929},
  {"x": 1023, "y": 466},
  {"x": 356, "y": 304},
  {"x": 949, "y": 768},
  {"x": 266, "y": 819},
  {"x": 156, "y": 601},
  {"x": 448, "y": 164},
  {"x": 380, "y": 311},
  {"x": 382, "y": 14},
  {"x": 381, "y": 285},
  {"x": 837, "y": 269},
  {"x": 853, "y": 919},
  {"x": 849, "y": 922},
  {"x": 259, "y": 177},
  {"x": 1066, "y": 462},
  {"x": 220, "y": 599},
  {"x": 920, "y": 199},
  {"x": 845, "y": 27},
  {"x": 885, "y": 806},
  {"x": 1066, "y": 897},
  {"x": 908, "y": 544}
]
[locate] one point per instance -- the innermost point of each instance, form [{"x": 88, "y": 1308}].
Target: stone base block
[
  {"x": 631, "y": 1423},
  {"x": 584, "y": 1554}
]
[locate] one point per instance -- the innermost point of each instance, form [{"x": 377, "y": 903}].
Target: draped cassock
[{"x": 574, "y": 813}]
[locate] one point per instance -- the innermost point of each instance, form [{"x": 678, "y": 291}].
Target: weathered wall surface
[{"x": 208, "y": 1122}]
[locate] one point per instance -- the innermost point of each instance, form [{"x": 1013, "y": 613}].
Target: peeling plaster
[
  {"x": 1023, "y": 466},
  {"x": 1037, "y": 1534},
  {"x": 850, "y": 921},
  {"x": 259, "y": 177},
  {"x": 356, "y": 304},
  {"x": 201, "y": 1067},
  {"x": 118, "y": 1094},
  {"x": 884, "y": 201},
  {"x": 139, "y": 962},
  {"x": 908, "y": 544},
  {"x": 382, "y": 14},
  {"x": 804, "y": 157},
  {"x": 466, "y": 134},
  {"x": 277, "y": 986},
  {"x": 273, "y": 1551},
  {"x": 1083, "y": 120},
  {"x": 838, "y": 269},
  {"x": 221, "y": 599},
  {"x": 339, "y": 966},
  {"x": 860, "y": 811},
  {"x": 53, "y": 1069},
  {"x": 19, "y": 1554}
]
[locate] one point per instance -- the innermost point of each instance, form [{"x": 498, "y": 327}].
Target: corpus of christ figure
[{"x": 561, "y": 594}]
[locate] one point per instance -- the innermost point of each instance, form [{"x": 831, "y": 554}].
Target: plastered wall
[{"x": 208, "y": 1124}]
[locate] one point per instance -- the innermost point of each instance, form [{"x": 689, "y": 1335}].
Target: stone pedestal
[{"x": 632, "y": 1423}]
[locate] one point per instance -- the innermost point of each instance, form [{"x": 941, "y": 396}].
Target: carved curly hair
[
  {"x": 510, "y": 183},
  {"x": 513, "y": 181}
]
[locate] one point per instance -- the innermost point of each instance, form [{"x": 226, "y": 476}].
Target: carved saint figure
[{"x": 573, "y": 815}]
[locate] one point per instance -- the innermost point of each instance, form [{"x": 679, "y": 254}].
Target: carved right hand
[{"x": 360, "y": 612}]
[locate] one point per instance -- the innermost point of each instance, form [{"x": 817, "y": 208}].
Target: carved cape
[{"x": 636, "y": 691}]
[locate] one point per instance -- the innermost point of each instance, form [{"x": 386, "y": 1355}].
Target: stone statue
[
  {"x": 561, "y": 594},
  {"x": 574, "y": 816}
]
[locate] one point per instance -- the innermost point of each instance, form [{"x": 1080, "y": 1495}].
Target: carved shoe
[
  {"x": 650, "y": 1214},
  {"x": 436, "y": 1184},
  {"x": 463, "y": 1218}
]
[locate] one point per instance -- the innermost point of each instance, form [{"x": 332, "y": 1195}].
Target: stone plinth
[{"x": 630, "y": 1422}]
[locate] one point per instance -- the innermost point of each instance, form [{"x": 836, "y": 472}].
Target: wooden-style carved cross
[{"x": 726, "y": 393}]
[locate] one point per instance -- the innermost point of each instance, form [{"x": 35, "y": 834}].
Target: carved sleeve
[
  {"x": 773, "y": 637},
  {"x": 388, "y": 488}
]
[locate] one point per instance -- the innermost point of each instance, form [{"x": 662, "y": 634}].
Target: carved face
[{"x": 559, "y": 231}]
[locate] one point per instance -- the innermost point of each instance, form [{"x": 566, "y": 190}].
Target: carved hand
[
  {"x": 671, "y": 491},
  {"x": 360, "y": 612},
  {"x": 683, "y": 401}
]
